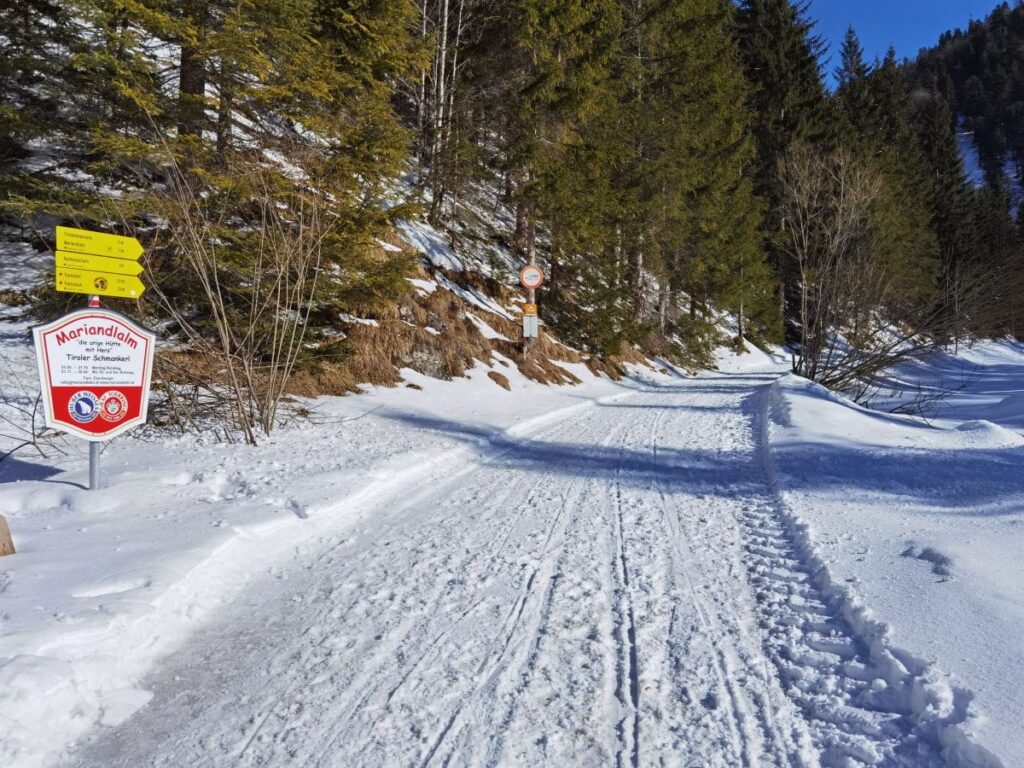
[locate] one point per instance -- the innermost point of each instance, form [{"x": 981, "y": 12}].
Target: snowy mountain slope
[
  {"x": 976, "y": 176},
  {"x": 922, "y": 522}
]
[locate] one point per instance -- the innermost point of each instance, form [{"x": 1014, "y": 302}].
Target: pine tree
[
  {"x": 883, "y": 136},
  {"x": 691, "y": 217},
  {"x": 588, "y": 299},
  {"x": 855, "y": 110},
  {"x": 853, "y": 68},
  {"x": 550, "y": 59},
  {"x": 781, "y": 56},
  {"x": 38, "y": 37}
]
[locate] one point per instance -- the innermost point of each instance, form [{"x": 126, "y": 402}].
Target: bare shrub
[
  {"x": 825, "y": 213},
  {"x": 854, "y": 321},
  {"x": 250, "y": 260},
  {"x": 22, "y": 421}
]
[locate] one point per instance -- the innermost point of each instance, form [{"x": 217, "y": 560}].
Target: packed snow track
[{"x": 621, "y": 589}]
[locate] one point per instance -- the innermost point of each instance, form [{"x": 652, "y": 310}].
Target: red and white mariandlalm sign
[{"x": 95, "y": 368}]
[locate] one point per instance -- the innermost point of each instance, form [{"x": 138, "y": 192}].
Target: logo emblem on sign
[
  {"x": 113, "y": 406},
  {"x": 84, "y": 407},
  {"x": 100, "y": 283}
]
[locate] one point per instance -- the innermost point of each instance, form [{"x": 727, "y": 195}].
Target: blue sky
[{"x": 909, "y": 25}]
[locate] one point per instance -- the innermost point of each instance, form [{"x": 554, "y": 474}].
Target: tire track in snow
[
  {"x": 822, "y": 664},
  {"x": 514, "y": 679},
  {"x": 629, "y": 672}
]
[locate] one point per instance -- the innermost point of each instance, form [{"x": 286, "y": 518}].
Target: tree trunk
[
  {"x": 192, "y": 75},
  {"x": 440, "y": 88},
  {"x": 664, "y": 300},
  {"x": 421, "y": 106},
  {"x": 6, "y": 542},
  {"x": 782, "y": 305},
  {"x": 225, "y": 119},
  {"x": 526, "y": 229},
  {"x": 637, "y": 283}
]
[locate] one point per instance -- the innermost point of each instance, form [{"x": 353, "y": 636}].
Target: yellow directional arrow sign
[
  {"x": 98, "y": 244},
  {"x": 84, "y": 261},
  {"x": 99, "y": 283}
]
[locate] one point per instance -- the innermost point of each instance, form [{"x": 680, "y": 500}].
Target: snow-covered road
[{"x": 624, "y": 588}]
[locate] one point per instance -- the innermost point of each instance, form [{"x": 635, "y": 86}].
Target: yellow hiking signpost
[
  {"x": 98, "y": 244},
  {"x": 84, "y": 261},
  {"x": 99, "y": 283},
  {"x": 98, "y": 264}
]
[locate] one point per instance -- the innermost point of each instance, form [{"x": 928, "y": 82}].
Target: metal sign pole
[
  {"x": 532, "y": 298},
  {"x": 94, "y": 466},
  {"x": 94, "y": 448}
]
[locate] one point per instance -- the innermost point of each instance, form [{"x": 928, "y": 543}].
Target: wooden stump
[{"x": 6, "y": 543}]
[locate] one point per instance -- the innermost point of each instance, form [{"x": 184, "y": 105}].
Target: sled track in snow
[{"x": 861, "y": 703}]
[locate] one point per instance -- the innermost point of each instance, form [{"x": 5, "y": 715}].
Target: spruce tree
[
  {"x": 876, "y": 126},
  {"x": 855, "y": 110},
  {"x": 544, "y": 63},
  {"x": 781, "y": 54},
  {"x": 37, "y": 40},
  {"x": 690, "y": 215}
]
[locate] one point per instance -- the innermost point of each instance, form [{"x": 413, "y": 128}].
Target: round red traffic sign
[{"x": 532, "y": 277}]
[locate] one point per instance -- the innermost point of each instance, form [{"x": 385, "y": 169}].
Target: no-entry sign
[
  {"x": 95, "y": 368},
  {"x": 531, "y": 277}
]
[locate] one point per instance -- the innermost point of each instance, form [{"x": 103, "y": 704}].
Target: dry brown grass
[
  {"x": 430, "y": 334},
  {"x": 501, "y": 380},
  {"x": 14, "y": 298},
  {"x": 6, "y": 542},
  {"x": 433, "y": 335}
]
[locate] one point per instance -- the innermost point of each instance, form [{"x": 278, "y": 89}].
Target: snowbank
[{"x": 922, "y": 521}]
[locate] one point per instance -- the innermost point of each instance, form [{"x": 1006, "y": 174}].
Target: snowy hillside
[{"x": 976, "y": 176}]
